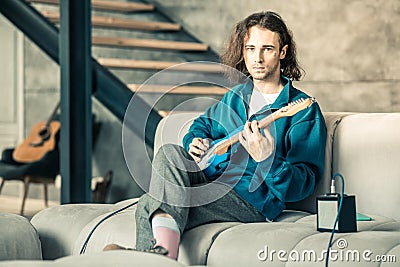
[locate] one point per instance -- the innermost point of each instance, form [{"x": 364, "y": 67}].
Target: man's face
[{"x": 262, "y": 53}]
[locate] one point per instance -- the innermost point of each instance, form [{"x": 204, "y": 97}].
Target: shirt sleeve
[
  {"x": 216, "y": 121},
  {"x": 201, "y": 127},
  {"x": 293, "y": 177}
]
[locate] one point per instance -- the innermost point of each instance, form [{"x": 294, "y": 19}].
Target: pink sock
[{"x": 166, "y": 232}]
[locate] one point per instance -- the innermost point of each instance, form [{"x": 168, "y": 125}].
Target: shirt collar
[{"x": 282, "y": 99}]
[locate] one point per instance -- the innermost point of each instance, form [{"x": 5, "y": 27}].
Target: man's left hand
[{"x": 258, "y": 146}]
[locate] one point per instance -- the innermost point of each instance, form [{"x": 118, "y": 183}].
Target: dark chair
[{"x": 43, "y": 171}]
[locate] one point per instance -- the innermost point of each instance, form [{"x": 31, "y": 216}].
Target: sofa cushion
[
  {"x": 59, "y": 226},
  {"x": 366, "y": 152},
  {"x": 118, "y": 229},
  {"x": 18, "y": 238},
  {"x": 196, "y": 243},
  {"x": 250, "y": 244},
  {"x": 173, "y": 128},
  {"x": 103, "y": 259}
]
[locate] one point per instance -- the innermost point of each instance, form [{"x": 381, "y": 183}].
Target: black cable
[
  {"x": 83, "y": 249},
  {"x": 336, "y": 220}
]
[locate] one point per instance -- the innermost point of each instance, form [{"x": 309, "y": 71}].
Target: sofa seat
[
  {"x": 106, "y": 259},
  {"x": 252, "y": 244},
  {"x": 240, "y": 244},
  {"x": 119, "y": 229}
]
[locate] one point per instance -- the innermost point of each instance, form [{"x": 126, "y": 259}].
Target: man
[{"x": 285, "y": 159}]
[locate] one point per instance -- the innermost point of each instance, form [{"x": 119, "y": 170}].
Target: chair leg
[
  {"x": 46, "y": 202},
  {"x": 2, "y": 184},
  {"x": 26, "y": 188}
]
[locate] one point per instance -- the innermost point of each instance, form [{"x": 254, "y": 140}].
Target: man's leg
[
  {"x": 174, "y": 171},
  {"x": 172, "y": 164},
  {"x": 229, "y": 208}
]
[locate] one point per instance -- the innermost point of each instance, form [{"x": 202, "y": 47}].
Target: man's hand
[
  {"x": 258, "y": 146},
  {"x": 198, "y": 147}
]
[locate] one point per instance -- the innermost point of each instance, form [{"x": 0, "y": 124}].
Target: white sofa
[{"x": 364, "y": 148}]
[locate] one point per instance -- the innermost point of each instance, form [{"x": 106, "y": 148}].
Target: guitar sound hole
[{"x": 44, "y": 133}]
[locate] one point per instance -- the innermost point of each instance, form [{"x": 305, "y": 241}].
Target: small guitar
[
  {"x": 40, "y": 141},
  {"x": 218, "y": 151}
]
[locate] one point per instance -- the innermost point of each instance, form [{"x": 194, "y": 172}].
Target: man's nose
[{"x": 258, "y": 58}]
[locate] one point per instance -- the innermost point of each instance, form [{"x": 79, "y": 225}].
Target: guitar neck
[
  {"x": 53, "y": 114},
  {"x": 223, "y": 146},
  {"x": 269, "y": 119},
  {"x": 289, "y": 110}
]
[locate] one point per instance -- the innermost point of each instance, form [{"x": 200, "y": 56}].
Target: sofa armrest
[{"x": 59, "y": 227}]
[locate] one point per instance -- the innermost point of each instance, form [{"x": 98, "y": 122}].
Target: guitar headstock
[{"x": 293, "y": 107}]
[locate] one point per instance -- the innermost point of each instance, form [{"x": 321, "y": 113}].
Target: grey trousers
[{"x": 174, "y": 174}]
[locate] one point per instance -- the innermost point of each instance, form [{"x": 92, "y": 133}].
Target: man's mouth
[{"x": 258, "y": 68}]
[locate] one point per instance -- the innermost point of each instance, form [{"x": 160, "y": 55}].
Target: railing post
[{"x": 76, "y": 108}]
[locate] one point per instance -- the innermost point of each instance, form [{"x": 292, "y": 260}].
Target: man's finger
[
  {"x": 198, "y": 142},
  {"x": 268, "y": 134},
  {"x": 254, "y": 126},
  {"x": 196, "y": 150},
  {"x": 247, "y": 129},
  {"x": 206, "y": 142},
  {"x": 194, "y": 156},
  {"x": 255, "y": 129},
  {"x": 242, "y": 139}
]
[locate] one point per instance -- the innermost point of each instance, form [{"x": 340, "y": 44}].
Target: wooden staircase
[
  {"x": 123, "y": 17},
  {"x": 107, "y": 5}
]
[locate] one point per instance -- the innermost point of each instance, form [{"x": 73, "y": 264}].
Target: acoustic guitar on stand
[
  {"x": 41, "y": 140},
  {"x": 218, "y": 151}
]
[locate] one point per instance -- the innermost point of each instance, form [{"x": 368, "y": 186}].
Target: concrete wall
[{"x": 349, "y": 49}]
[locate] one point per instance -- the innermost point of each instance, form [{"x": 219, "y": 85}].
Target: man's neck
[{"x": 268, "y": 87}]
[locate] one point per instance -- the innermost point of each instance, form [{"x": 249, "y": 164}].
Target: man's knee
[{"x": 169, "y": 152}]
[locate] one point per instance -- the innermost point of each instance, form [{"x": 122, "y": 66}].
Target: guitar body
[
  {"x": 210, "y": 160},
  {"x": 40, "y": 141},
  {"x": 211, "y": 169}
]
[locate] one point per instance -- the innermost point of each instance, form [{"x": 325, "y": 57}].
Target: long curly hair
[{"x": 233, "y": 54}]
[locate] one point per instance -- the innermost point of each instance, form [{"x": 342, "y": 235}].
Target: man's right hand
[{"x": 198, "y": 147}]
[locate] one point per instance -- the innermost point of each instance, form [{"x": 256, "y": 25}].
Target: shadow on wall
[{"x": 108, "y": 155}]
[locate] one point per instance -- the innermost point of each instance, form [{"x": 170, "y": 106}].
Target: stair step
[
  {"x": 165, "y": 113},
  {"x": 121, "y": 23},
  {"x": 183, "y": 89},
  {"x": 120, "y": 63},
  {"x": 146, "y": 43},
  {"x": 107, "y": 5}
]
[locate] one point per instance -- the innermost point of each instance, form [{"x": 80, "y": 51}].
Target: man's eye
[{"x": 249, "y": 48}]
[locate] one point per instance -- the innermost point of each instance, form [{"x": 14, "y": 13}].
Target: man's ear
[{"x": 283, "y": 52}]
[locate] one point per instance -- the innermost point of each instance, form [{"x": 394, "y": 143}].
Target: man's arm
[
  {"x": 293, "y": 178},
  {"x": 200, "y": 128}
]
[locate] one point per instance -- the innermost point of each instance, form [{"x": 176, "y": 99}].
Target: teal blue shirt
[{"x": 291, "y": 173}]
